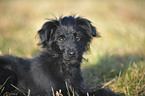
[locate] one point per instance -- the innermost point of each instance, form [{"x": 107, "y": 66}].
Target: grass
[
  {"x": 132, "y": 81},
  {"x": 116, "y": 60}
]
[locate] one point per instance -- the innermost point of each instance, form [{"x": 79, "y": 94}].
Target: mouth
[
  {"x": 72, "y": 60},
  {"x": 67, "y": 58}
]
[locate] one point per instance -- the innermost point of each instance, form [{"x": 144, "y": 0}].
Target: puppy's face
[{"x": 67, "y": 36}]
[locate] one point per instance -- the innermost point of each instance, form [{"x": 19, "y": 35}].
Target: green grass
[
  {"x": 132, "y": 81},
  {"x": 116, "y": 60}
]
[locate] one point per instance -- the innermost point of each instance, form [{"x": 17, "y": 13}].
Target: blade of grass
[
  {"x": 18, "y": 89},
  {"x": 2, "y": 87}
]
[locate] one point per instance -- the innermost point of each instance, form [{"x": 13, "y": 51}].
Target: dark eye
[
  {"x": 77, "y": 36},
  {"x": 61, "y": 38}
]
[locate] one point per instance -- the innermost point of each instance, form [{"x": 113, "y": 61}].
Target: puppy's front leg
[{"x": 102, "y": 92}]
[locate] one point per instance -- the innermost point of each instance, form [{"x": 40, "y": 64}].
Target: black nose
[{"x": 72, "y": 53}]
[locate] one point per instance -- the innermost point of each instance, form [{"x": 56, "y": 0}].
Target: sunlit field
[{"x": 116, "y": 60}]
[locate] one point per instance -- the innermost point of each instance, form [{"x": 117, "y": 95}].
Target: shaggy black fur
[{"x": 64, "y": 42}]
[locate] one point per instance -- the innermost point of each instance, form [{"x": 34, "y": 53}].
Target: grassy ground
[{"x": 116, "y": 60}]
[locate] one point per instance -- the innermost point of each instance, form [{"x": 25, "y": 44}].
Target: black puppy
[{"x": 58, "y": 66}]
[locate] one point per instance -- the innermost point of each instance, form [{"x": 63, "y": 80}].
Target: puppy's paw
[{"x": 102, "y": 92}]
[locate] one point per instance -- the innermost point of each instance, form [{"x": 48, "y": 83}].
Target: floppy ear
[
  {"x": 46, "y": 32},
  {"x": 86, "y": 24}
]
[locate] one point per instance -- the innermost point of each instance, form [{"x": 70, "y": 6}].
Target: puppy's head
[{"x": 68, "y": 36}]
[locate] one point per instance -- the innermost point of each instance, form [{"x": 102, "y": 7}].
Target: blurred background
[{"x": 116, "y": 60}]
